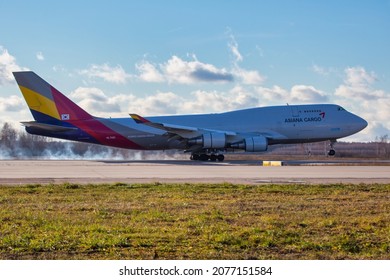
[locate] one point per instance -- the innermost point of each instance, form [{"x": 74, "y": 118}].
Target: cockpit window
[{"x": 341, "y": 109}]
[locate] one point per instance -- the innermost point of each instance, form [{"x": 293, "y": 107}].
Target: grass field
[{"x": 194, "y": 221}]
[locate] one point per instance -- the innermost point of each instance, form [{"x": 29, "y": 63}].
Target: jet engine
[
  {"x": 252, "y": 144},
  {"x": 212, "y": 140}
]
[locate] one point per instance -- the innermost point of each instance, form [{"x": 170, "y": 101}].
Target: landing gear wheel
[
  {"x": 195, "y": 157},
  {"x": 220, "y": 157},
  {"x": 204, "y": 157},
  {"x": 213, "y": 157},
  {"x": 332, "y": 152}
]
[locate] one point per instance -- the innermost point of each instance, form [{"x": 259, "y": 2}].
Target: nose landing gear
[{"x": 331, "y": 152}]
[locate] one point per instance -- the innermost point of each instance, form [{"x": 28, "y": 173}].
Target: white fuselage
[{"x": 278, "y": 124}]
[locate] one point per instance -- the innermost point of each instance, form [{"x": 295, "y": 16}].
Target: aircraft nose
[
  {"x": 364, "y": 123},
  {"x": 360, "y": 123}
]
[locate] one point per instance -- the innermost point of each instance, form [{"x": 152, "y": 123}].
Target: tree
[{"x": 8, "y": 139}]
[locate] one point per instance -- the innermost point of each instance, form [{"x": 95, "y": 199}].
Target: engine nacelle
[
  {"x": 252, "y": 144},
  {"x": 212, "y": 140}
]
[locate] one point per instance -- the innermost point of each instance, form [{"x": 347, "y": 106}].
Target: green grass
[{"x": 194, "y": 221}]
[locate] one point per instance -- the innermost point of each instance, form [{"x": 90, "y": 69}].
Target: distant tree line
[{"x": 18, "y": 144}]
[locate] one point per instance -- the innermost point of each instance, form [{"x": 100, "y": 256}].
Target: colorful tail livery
[
  {"x": 205, "y": 136},
  {"x": 57, "y": 116}
]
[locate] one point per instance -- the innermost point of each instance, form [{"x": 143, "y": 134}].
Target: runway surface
[{"x": 29, "y": 172}]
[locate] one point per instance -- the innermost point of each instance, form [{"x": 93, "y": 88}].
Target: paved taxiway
[{"x": 24, "y": 171}]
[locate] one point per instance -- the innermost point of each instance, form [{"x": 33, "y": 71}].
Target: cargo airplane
[{"x": 205, "y": 136}]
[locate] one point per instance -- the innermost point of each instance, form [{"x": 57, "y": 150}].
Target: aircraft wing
[
  {"x": 48, "y": 127},
  {"x": 182, "y": 131}
]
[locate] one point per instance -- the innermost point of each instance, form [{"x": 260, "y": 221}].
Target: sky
[{"x": 183, "y": 57}]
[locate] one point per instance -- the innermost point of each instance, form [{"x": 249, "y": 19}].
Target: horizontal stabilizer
[{"x": 48, "y": 127}]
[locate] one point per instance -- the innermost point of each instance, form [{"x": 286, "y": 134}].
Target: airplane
[{"x": 205, "y": 136}]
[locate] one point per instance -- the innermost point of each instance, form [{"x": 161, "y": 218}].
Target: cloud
[
  {"x": 233, "y": 47},
  {"x": 179, "y": 71},
  {"x": 39, "y": 56},
  {"x": 7, "y": 66},
  {"x": 376, "y": 113},
  {"x": 359, "y": 92},
  {"x": 274, "y": 94},
  {"x": 149, "y": 72},
  {"x": 307, "y": 94},
  {"x": 358, "y": 84},
  {"x": 162, "y": 103},
  {"x": 323, "y": 71},
  {"x": 359, "y": 76},
  {"x": 206, "y": 101},
  {"x": 248, "y": 77},
  {"x": 82, "y": 93},
  {"x": 61, "y": 69},
  {"x": 12, "y": 103},
  {"x": 174, "y": 71},
  {"x": 110, "y": 74},
  {"x": 215, "y": 101},
  {"x": 94, "y": 100},
  {"x": 298, "y": 94},
  {"x": 13, "y": 109},
  {"x": 210, "y": 75}
]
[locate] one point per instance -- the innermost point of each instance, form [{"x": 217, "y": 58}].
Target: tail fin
[{"x": 46, "y": 103}]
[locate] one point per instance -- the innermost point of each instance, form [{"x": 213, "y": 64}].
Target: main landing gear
[{"x": 206, "y": 157}]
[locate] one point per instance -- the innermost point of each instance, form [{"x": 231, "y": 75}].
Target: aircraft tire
[
  {"x": 332, "y": 153},
  {"x": 220, "y": 158},
  {"x": 204, "y": 157},
  {"x": 213, "y": 157},
  {"x": 195, "y": 157}
]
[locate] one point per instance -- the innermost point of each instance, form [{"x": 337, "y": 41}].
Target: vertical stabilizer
[{"x": 46, "y": 103}]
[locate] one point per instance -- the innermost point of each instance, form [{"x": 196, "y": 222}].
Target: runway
[{"x": 49, "y": 171}]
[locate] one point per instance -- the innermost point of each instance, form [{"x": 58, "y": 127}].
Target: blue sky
[{"x": 175, "y": 57}]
